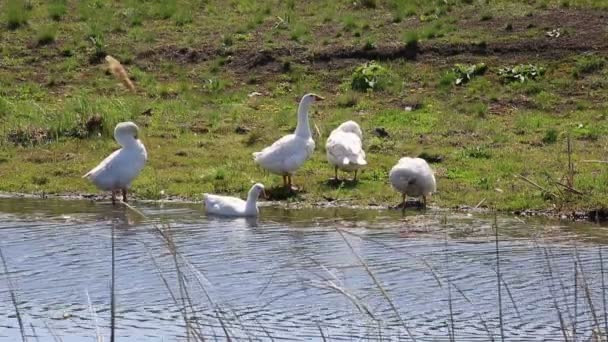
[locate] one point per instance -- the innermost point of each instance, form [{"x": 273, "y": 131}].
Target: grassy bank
[{"x": 216, "y": 81}]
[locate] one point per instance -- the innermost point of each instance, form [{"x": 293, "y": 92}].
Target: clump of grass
[
  {"x": 369, "y": 45},
  {"x": 370, "y": 75},
  {"x": 434, "y": 30},
  {"x": 478, "y": 152},
  {"x": 550, "y": 136},
  {"x": 182, "y": 17},
  {"x": 588, "y": 64},
  {"x": 411, "y": 39},
  {"x": 16, "y": 14},
  {"x": 57, "y": 9},
  {"x": 367, "y": 3},
  {"x": 347, "y": 100},
  {"x": 350, "y": 23},
  {"x": 486, "y": 17},
  {"x": 521, "y": 73},
  {"x": 166, "y": 9},
  {"x": 298, "y": 32},
  {"x": 464, "y": 73},
  {"x": 447, "y": 79},
  {"x": 46, "y": 35},
  {"x": 480, "y": 109},
  {"x": 402, "y": 9}
]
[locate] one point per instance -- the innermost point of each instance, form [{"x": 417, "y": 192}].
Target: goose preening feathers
[
  {"x": 287, "y": 154},
  {"x": 120, "y": 168},
  {"x": 344, "y": 148},
  {"x": 413, "y": 177}
]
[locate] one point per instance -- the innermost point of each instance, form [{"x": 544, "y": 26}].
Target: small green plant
[
  {"x": 370, "y": 75},
  {"x": 182, "y": 17},
  {"x": 57, "y": 9},
  {"x": 46, "y": 35},
  {"x": 214, "y": 85},
  {"x": 520, "y": 73},
  {"x": 447, "y": 79},
  {"x": 486, "y": 17},
  {"x": 464, "y": 73},
  {"x": 411, "y": 39},
  {"x": 16, "y": 14},
  {"x": 298, "y": 32},
  {"x": 550, "y": 136},
  {"x": 478, "y": 152},
  {"x": 165, "y": 9},
  {"x": 368, "y": 3},
  {"x": 350, "y": 99},
  {"x": 436, "y": 29},
  {"x": 350, "y": 23},
  {"x": 588, "y": 64},
  {"x": 369, "y": 45}
]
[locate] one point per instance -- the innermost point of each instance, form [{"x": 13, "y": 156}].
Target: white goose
[
  {"x": 120, "y": 168},
  {"x": 344, "y": 150},
  {"x": 232, "y": 206},
  {"x": 287, "y": 154},
  {"x": 413, "y": 177}
]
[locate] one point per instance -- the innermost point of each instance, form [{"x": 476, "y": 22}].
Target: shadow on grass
[
  {"x": 280, "y": 193},
  {"x": 340, "y": 183}
]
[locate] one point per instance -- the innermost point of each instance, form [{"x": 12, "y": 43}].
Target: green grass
[
  {"x": 192, "y": 64},
  {"x": 16, "y": 13}
]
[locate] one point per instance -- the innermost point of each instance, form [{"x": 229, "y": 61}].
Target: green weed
[
  {"x": 16, "y": 13},
  {"x": 464, "y": 73},
  {"x": 588, "y": 64},
  {"x": 550, "y": 136},
  {"x": 46, "y": 35},
  {"x": 370, "y": 75},
  {"x": 57, "y": 9},
  {"x": 520, "y": 73}
]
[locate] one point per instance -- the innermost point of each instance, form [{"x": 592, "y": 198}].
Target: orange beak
[{"x": 318, "y": 98}]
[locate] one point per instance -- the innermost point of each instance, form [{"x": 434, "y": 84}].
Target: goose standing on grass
[
  {"x": 232, "y": 206},
  {"x": 344, "y": 150},
  {"x": 413, "y": 177},
  {"x": 119, "y": 169},
  {"x": 287, "y": 154}
]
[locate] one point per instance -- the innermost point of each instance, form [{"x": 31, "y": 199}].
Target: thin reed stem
[
  {"x": 498, "y": 282},
  {"x": 575, "y": 301},
  {"x": 377, "y": 283},
  {"x": 447, "y": 266},
  {"x": 553, "y": 296},
  {"x": 603, "y": 292},
  {"x": 13, "y": 297},
  {"x": 112, "y": 290}
]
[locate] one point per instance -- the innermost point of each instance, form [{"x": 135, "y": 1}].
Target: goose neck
[{"x": 303, "y": 127}]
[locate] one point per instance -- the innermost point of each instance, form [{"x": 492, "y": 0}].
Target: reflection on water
[{"x": 291, "y": 274}]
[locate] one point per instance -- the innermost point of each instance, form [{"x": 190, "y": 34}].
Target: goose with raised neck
[{"x": 287, "y": 154}]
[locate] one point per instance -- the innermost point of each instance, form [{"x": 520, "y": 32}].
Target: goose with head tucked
[
  {"x": 413, "y": 177},
  {"x": 119, "y": 169},
  {"x": 287, "y": 154},
  {"x": 232, "y": 206},
  {"x": 344, "y": 148}
]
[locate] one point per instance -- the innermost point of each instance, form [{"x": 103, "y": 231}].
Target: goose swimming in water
[{"x": 232, "y": 206}]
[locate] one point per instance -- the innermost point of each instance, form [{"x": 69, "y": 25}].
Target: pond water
[{"x": 298, "y": 275}]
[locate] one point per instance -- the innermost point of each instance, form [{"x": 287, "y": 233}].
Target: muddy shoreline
[{"x": 596, "y": 215}]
